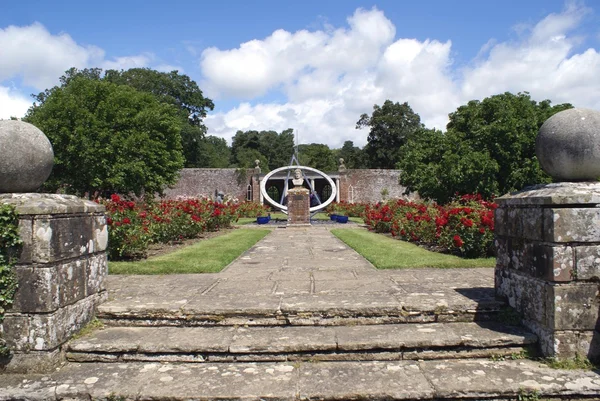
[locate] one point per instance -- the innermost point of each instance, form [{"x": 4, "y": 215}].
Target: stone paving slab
[
  {"x": 440, "y": 380},
  {"x": 289, "y": 339}
]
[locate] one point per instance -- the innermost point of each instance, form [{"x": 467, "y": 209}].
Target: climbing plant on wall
[{"x": 9, "y": 245}]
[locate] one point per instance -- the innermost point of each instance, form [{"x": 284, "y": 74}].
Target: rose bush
[
  {"x": 465, "y": 226},
  {"x": 133, "y": 226}
]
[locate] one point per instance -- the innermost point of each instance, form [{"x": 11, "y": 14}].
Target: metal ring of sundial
[{"x": 263, "y": 187}]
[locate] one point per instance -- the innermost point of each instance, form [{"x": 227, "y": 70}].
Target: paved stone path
[
  {"x": 303, "y": 291},
  {"x": 306, "y": 276}
]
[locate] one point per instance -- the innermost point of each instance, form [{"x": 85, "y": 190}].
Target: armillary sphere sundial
[{"x": 298, "y": 170}]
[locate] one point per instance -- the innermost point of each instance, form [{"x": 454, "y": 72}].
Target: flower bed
[
  {"x": 133, "y": 226},
  {"x": 464, "y": 226}
]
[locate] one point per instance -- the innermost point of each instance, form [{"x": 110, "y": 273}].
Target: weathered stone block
[
  {"x": 572, "y": 225},
  {"x": 524, "y": 223},
  {"x": 49, "y": 331},
  {"x": 524, "y": 293},
  {"x": 38, "y": 290},
  {"x": 553, "y": 263},
  {"x": 96, "y": 270},
  {"x": 100, "y": 234},
  {"x": 15, "y": 331},
  {"x": 572, "y": 306},
  {"x": 71, "y": 282},
  {"x": 61, "y": 238},
  {"x": 26, "y": 234},
  {"x": 588, "y": 262}
]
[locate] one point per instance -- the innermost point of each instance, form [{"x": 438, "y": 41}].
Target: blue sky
[{"x": 313, "y": 65}]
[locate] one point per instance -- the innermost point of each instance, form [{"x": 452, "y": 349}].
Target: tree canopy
[
  {"x": 391, "y": 125},
  {"x": 168, "y": 87},
  {"x": 272, "y": 149},
  {"x": 108, "y": 137},
  {"x": 489, "y": 148}
]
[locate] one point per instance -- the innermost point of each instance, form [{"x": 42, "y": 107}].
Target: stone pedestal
[
  {"x": 61, "y": 274},
  {"x": 298, "y": 207},
  {"x": 548, "y": 266}
]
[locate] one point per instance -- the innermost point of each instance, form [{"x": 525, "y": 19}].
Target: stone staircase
[{"x": 313, "y": 321}]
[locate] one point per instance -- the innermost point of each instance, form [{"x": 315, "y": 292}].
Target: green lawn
[
  {"x": 388, "y": 253},
  {"x": 207, "y": 256}
]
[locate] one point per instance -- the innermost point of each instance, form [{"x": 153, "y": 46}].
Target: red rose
[{"x": 458, "y": 242}]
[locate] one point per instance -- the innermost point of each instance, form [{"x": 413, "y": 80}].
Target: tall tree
[
  {"x": 391, "y": 125},
  {"x": 275, "y": 149},
  {"x": 169, "y": 87},
  {"x": 317, "y": 155},
  {"x": 489, "y": 149},
  {"x": 214, "y": 152},
  {"x": 108, "y": 137},
  {"x": 353, "y": 155}
]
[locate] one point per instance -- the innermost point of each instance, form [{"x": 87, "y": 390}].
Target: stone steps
[
  {"x": 300, "y": 343},
  {"x": 302, "y": 310},
  {"x": 475, "y": 379}
]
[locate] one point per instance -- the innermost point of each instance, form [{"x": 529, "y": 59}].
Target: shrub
[
  {"x": 133, "y": 226},
  {"x": 465, "y": 226}
]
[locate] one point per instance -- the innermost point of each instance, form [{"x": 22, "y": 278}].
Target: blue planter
[
  {"x": 262, "y": 220},
  {"x": 342, "y": 219},
  {"x": 333, "y": 217}
]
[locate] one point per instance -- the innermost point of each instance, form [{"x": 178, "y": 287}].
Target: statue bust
[
  {"x": 298, "y": 180},
  {"x": 342, "y": 166}
]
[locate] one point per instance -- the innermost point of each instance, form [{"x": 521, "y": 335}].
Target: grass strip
[
  {"x": 388, "y": 253},
  {"x": 207, "y": 256}
]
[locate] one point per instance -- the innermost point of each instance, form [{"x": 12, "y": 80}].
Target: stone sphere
[
  {"x": 26, "y": 157},
  {"x": 568, "y": 145}
]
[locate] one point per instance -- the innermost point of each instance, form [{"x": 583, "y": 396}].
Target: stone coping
[
  {"x": 561, "y": 193},
  {"x": 42, "y": 204}
]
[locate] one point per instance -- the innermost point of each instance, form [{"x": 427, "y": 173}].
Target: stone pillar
[
  {"x": 548, "y": 240},
  {"x": 337, "y": 189},
  {"x": 298, "y": 207},
  {"x": 61, "y": 273},
  {"x": 62, "y": 264}
]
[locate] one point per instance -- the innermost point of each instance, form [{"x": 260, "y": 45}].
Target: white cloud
[
  {"x": 38, "y": 57},
  {"x": 12, "y": 104},
  {"x": 331, "y": 77},
  {"x": 260, "y": 65}
]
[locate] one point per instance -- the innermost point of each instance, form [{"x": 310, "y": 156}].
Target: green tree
[
  {"x": 317, "y": 155},
  {"x": 353, "y": 155},
  {"x": 489, "y": 149},
  {"x": 391, "y": 125},
  {"x": 275, "y": 149},
  {"x": 214, "y": 152},
  {"x": 169, "y": 87},
  {"x": 108, "y": 137}
]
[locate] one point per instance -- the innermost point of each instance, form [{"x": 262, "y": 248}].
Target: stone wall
[
  {"x": 61, "y": 273},
  {"x": 367, "y": 185},
  {"x": 355, "y": 185},
  {"x": 199, "y": 182}
]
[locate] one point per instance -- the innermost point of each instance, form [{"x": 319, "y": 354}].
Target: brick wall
[
  {"x": 198, "y": 182},
  {"x": 366, "y": 185}
]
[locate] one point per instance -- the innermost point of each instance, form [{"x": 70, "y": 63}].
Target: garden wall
[
  {"x": 367, "y": 185},
  {"x": 198, "y": 182},
  {"x": 355, "y": 185}
]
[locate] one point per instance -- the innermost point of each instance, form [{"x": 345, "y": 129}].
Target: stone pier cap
[
  {"x": 561, "y": 193},
  {"x": 36, "y": 204}
]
